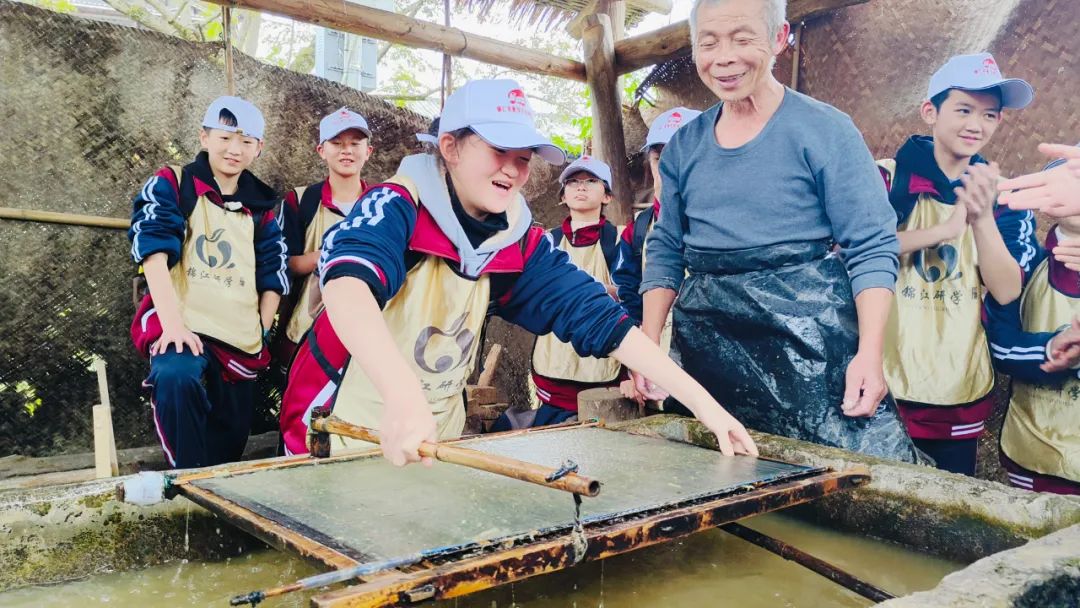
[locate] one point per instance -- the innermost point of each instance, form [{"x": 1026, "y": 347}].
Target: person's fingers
[
  {"x": 199, "y": 343},
  {"x": 1038, "y": 197},
  {"x": 1023, "y": 182},
  {"x": 723, "y": 442},
  {"x": 1055, "y": 151},
  {"x": 852, "y": 388},
  {"x": 640, "y": 382},
  {"x": 743, "y": 442}
]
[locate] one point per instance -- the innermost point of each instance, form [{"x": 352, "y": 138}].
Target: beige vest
[
  {"x": 215, "y": 277},
  {"x": 553, "y": 358},
  {"x": 1042, "y": 427},
  {"x": 435, "y": 319},
  {"x": 302, "y": 314},
  {"x": 936, "y": 351}
]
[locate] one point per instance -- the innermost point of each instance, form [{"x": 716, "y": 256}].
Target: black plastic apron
[{"x": 769, "y": 332}]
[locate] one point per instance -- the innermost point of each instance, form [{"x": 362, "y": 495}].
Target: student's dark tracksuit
[
  {"x": 937, "y": 361},
  {"x": 1040, "y": 439},
  {"x": 438, "y": 276},
  {"x": 223, "y": 252},
  {"x": 557, "y": 371}
]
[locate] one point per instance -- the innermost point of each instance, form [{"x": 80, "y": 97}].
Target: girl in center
[
  {"x": 410, "y": 276},
  {"x": 592, "y": 244}
]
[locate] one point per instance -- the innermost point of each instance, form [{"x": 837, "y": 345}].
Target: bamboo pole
[
  {"x": 226, "y": 27},
  {"x": 796, "y": 55},
  {"x": 56, "y": 217},
  {"x": 822, "y": 567},
  {"x": 400, "y": 29},
  {"x": 474, "y": 459},
  {"x": 607, "y": 112},
  {"x": 106, "y": 463},
  {"x": 673, "y": 41}
]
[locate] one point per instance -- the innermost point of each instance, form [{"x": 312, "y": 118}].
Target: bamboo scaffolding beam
[
  {"x": 415, "y": 33},
  {"x": 56, "y": 217},
  {"x": 322, "y": 423},
  {"x": 673, "y": 41},
  {"x": 609, "y": 139}
]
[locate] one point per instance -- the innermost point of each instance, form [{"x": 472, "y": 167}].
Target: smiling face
[
  {"x": 487, "y": 179},
  {"x": 733, "y": 51},
  {"x": 230, "y": 153},
  {"x": 965, "y": 122},
  {"x": 345, "y": 153},
  {"x": 583, "y": 192}
]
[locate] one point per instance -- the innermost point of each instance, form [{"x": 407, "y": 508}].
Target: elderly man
[{"x": 757, "y": 191}]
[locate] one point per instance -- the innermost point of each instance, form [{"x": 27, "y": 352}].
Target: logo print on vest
[
  {"x": 462, "y": 337},
  {"x": 937, "y": 264},
  {"x": 223, "y": 247}
]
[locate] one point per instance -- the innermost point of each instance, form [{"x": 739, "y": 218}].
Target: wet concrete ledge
[
  {"x": 63, "y": 533},
  {"x": 931, "y": 511},
  {"x": 1044, "y": 573}
]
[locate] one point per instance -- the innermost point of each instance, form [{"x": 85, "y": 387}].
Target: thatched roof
[{"x": 544, "y": 14}]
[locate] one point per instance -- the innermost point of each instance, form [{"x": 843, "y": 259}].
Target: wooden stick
[
  {"x": 104, "y": 446},
  {"x": 822, "y": 567},
  {"x": 226, "y": 26},
  {"x": 106, "y": 463},
  {"x": 474, "y": 459},
  {"x": 56, "y": 217},
  {"x": 796, "y": 54},
  {"x": 416, "y": 33},
  {"x": 491, "y": 363}
]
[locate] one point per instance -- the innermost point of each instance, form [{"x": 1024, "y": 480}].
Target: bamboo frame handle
[{"x": 474, "y": 459}]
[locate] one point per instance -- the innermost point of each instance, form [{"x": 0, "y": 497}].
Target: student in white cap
[
  {"x": 409, "y": 278},
  {"x": 954, "y": 241},
  {"x": 1035, "y": 339},
  {"x": 215, "y": 265},
  {"x": 632, "y": 240},
  {"x": 632, "y": 243},
  {"x": 558, "y": 373},
  {"x": 309, "y": 211}
]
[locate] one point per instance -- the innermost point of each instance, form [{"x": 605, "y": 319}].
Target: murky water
[{"x": 708, "y": 569}]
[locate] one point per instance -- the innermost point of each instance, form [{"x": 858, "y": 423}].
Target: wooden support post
[
  {"x": 226, "y": 28},
  {"x": 415, "y": 33},
  {"x": 606, "y": 404},
  {"x": 607, "y": 112},
  {"x": 105, "y": 461},
  {"x": 796, "y": 52}
]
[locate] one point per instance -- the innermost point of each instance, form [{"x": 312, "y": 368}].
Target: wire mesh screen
[{"x": 90, "y": 110}]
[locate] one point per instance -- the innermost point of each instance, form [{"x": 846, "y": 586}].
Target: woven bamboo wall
[{"x": 90, "y": 110}]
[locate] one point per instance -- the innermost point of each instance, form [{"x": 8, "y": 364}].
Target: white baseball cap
[
  {"x": 339, "y": 121},
  {"x": 588, "y": 164},
  {"x": 980, "y": 72},
  {"x": 499, "y": 113},
  {"x": 665, "y": 125},
  {"x": 249, "y": 120}
]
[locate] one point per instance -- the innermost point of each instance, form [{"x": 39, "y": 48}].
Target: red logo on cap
[
  {"x": 517, "y": 103},
  {"x": 673, "y": 121},
  {"x": 990, "y": 67}
]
